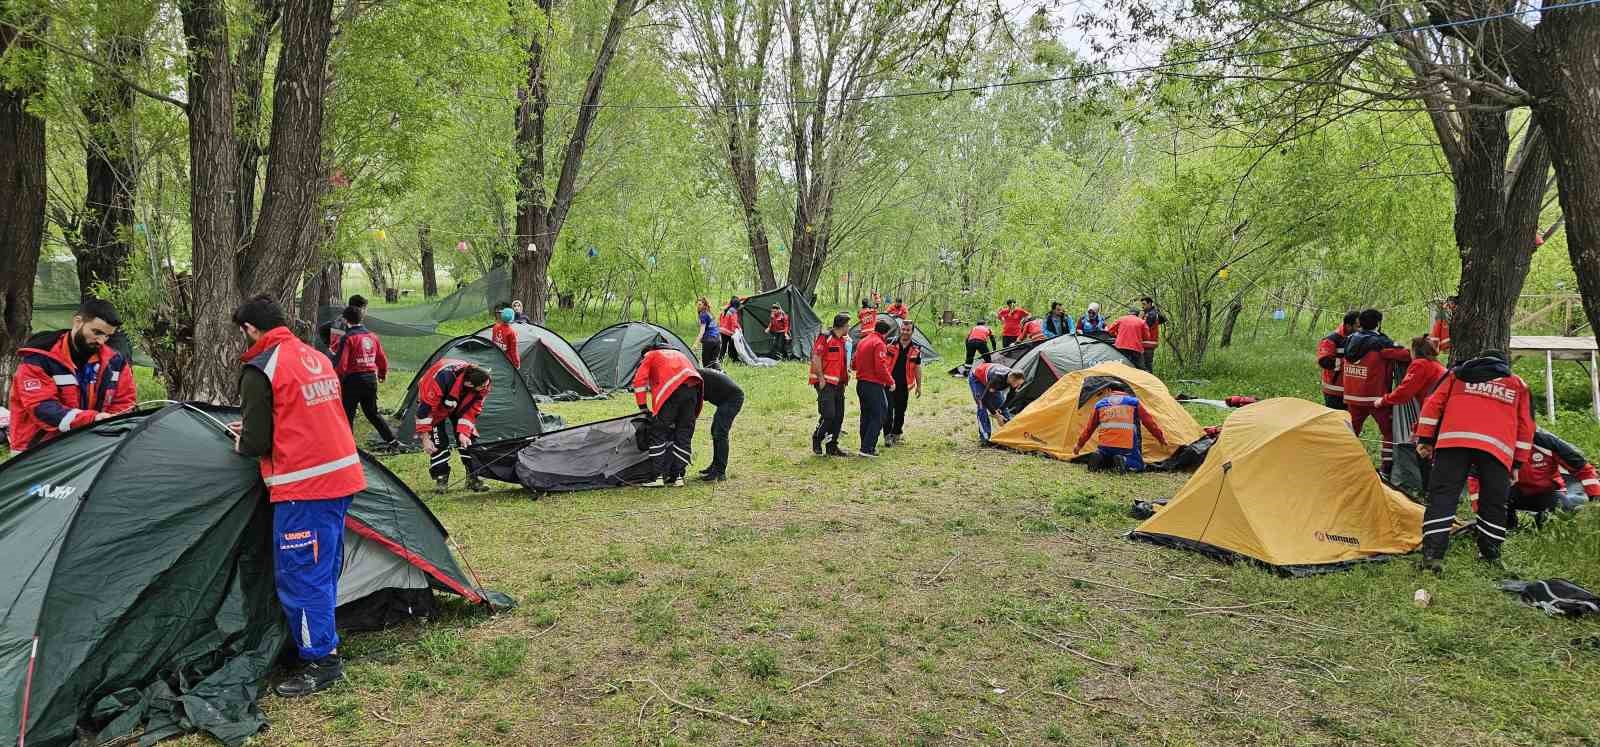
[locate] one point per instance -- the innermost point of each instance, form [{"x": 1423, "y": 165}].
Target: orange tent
[{"x": 1052, "y": 423}]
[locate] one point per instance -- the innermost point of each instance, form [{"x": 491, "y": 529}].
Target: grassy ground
[{"x": 943, "y": 594}]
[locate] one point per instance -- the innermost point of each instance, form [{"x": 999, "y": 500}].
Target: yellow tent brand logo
[
  {"x": 1342, "y": 539},
  {"x": 1032, "y": 437}
]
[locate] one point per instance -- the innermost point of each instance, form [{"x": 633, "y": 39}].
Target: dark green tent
[
  {"x": 139, "y": 585},
  {"x": 1056, "y": 357},
  {"x": 804, "y": 326},
  {"x": 550, "y": 365},
  {"x": 613, "y": 353},
  {"x": 928, "y": 353},
  {"x": 509, "y": 412}
]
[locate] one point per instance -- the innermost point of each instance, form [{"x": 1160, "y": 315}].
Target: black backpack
[{"x": 1556, "y": 596}]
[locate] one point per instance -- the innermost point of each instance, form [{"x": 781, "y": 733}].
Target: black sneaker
[
  {"x": 1431, "y": 565},
  {"x": 869, "y": 454},
  {"x": 713, "y": 477},
  {"x": 816, "y": 444},
  {"x": 315, "y": 677},
  {"x": 705, "y": 471},
  {"x": 477, "y": 485},
  {"x": 835, "y": 451},
  {"x": 1498, "y": 567},
  {"x": 442, "y": 484}
]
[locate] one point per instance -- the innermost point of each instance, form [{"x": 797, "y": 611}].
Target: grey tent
[
  {"x": 550, "y": 365},
  {"x": 928, "y": 353},
  {"x": 139, "y": 587},
  {"x": 804, "y": 326},
  {"x": 613, "y": 353},
  {"x": 603, "y": 454},
  {"x": 509, "y": 411},
  {"x": 1056, "y": 357}
]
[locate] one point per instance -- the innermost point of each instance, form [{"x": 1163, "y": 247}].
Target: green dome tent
[
  {"x": 928, "y": 353},
  {"x": 613, "y": 353},
  {"x": 139, "y": 578},
  {"x": 755, "y": 313},
  {"x": 509, "y": 412},
  {"x": 1056, "y": 357},
  {"x": 550, "y": 365}
]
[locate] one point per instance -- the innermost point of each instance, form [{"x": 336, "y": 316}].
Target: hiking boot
[
  {"x": 315, "y": 677},
  {"x": 888, "y": 441},
  {"x": 442, "y": 484},
  {"x": 713, "y": 477},
  {"x": 835, "y": 451},
  {"x": 477, "y": 485},
  {"x": 1431, "y": 565},
  {"x": 705, "y": 471},
  {"x": 816, "y": 444}
]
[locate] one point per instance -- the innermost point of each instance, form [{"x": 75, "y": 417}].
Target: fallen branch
[
  {"x": 379, "y": 716},
  {"x": 830, "y": 673},
  {"x": 1066, "y": 648},
  {"x": 691, "y": 707},
  {"x": 946, "y": 567},
  {"x": 1087, "y": 704}
]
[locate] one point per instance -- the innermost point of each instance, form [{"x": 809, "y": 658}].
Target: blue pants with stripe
[
  {"x": 1131, "y": 457},
  {"x": 986, "y": 401},
  {"x": 309, "y": 541}
]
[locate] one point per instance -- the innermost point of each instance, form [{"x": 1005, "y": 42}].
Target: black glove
[{"x": 1326, "y": 363}]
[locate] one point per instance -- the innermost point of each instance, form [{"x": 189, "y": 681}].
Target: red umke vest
[{"x": 313, "y": 451}]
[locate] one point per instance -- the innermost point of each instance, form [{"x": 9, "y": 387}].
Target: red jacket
[
  {"x": 1130, "y": 330},
  {"x": 1480, "y": 405},
  {"x": 50, "y": 396},
  {"x": 728, "y": 323},
  {"x": 1011, "y": 321},
  {"x": 443, "y": 395},
  {"x": 661, "y": 373},
  {"x": 1033, "y": 330},
  {"x": 1366, "y": 371},
  {"x": 897, "y": 310},
  {"x": 1440, "y": 332},
  {"x": 1152, "y": 323},
  {"x": 504, "y": 336},
  {"x": 829, "y": 361},
  {"x": 867, "y": 317},
  {"x": 360, "y": 352},
  {"x": 992, "y": 376},
  {"x": 1550, "y": 460},
  {"x": 913, "y": 354},
  {"x": 779, "y": 324},
  {"x": 1330, "y": 358},
  {"x": 980, "y": 332},
  {"x": 313, "y": 450},
  {"x": 1420, "y": 378},
  {"x": 871, "y": 363}
]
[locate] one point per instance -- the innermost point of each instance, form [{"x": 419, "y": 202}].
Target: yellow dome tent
[
  {"x": 1052, "y": 423},
  {"x": 1288, "y": 485}
]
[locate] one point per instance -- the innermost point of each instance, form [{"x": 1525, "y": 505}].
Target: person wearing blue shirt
[
  {"x": 1091, "y": 321},
  {"x": 1057, "y": 322},
  {"x": 710, "y": 336}
]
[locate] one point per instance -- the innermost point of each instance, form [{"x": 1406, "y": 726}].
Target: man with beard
[{"x": 69, "y": 378}]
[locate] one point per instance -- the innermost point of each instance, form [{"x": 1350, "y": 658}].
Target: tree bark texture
[
  {"x": 212, "y": 370},
  {"x": 430, "y": 277},
  {"x": 22, "y": 200},
  {"x": 1228, "y": 322},
  {"x": 249, "y": 74},
  {"x": 540, "y": 218},
  {"x": 102, "y": 248}
]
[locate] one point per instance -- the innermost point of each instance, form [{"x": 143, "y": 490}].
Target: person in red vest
[
  {"x": 905, "y": 364},
  {"x": 449, "y": 400},
  {"x": 991, "y": 383},
  {"x": 1480, "y": 418},
  {"x": 1011, "y": 319},
  {"x": 70, "y": 378},
  {"x": 1130, "y": 330},
  {"x": 1440, "y": 331},
  {"x": 727, "y": 325},
  {"x": 1409, "y": 472},
  {"x": 829, "y": 373},
  {"x": 898, "y": 309},
  {"x": 668, "y": 388},
  {"x": 1330, "y": 358},
  {"x": 978, "y": 340},
  {"x": 874, "y": 382},
  {"x": 1153, "y": 319},
  {"x": 1114, "y": 424},
  {"x": 292, "y": 421},
  {"x": 1540, "y": 483},
  {"x": 867, "y": 316},
  {"x": 778, "y": 329},
  {"x": 1033, "y": 330},
  {"x": 337, "y": 327},
  {"x": 1369, "y": 357},
  {"x": 362, "y": 365},
  {"x": 504, "y": 336}
]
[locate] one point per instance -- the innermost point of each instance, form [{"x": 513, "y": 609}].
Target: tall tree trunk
[
  {"x": 430, "y": 278},
  {"x": 742, "y": 163},
  {"x": 1228, "y": 322},
  {"x": 212, "y": 371},
  {"x": 249, "y": 77},
  {"x": 22, "y": 197},
  {"x": 110, "y": 170},
  {"x": 281, "y": 246}
]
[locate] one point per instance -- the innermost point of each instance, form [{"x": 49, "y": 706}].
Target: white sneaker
[
  {"x": 656, "y": 483},
  {"x": 678, "y": 483}
]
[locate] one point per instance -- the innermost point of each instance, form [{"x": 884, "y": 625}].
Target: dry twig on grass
[
  {"x": 830, "y": 673},
  {"x": 1066, "y": 648},
  {"x": 1088, "y": 704},
  {"x": 940, "y": 574},
  {"x": 689, "y": 706},
  {"x": 379, "y": 716}
]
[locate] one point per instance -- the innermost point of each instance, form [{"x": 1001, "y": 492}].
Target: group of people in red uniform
[
  {"x": 1441, "y": 427},
  {"x": 887, "y": 363},
  {"x": 1136, "y": 334}
]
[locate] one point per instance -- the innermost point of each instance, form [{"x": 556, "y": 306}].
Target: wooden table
[{"x": 1561, "y": 349}]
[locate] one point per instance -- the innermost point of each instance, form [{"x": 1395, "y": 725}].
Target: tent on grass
[
  {"x": 804, "y": 326},
  {"x": 550, "y": 365},
  {"x": 928, "y": 353},
  {"x": 1052, "y": 423},
  {"x": 509, "y": 411},
  {"x": 1289, "y": 486},
  {"x": 1071, "y": 353},
  {"x": 603, "y": 454},
  {"x": 1045, "y": 363},
  {"x": 139, "y": 592},
  {"x": 613, "y": 353}
]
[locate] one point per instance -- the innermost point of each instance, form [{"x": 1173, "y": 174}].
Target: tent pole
[
  {"x": 1550, "y": 384},
  {"x": 1594, "y": 383}
]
